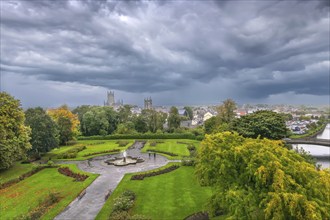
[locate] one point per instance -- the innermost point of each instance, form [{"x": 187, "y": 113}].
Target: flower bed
[
  {"x": 154, "y": 173},
  {"x": 67, "y": 172}
]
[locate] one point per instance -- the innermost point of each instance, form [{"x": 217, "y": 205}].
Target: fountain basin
[{"x": 121, "y": 161}]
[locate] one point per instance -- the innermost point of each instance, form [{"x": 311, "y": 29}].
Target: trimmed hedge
[
  {"x": 163, "y": 152},
  {"x": 154, "y": 173},
  {"x": 101, "y": 152},
  {"x": 72, "y": 153},
  {"x": 24, "y": 176},
  {"x": 141, "y": 136}
]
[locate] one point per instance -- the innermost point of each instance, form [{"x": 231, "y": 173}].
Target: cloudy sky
[{"x": 177, "y": 52}]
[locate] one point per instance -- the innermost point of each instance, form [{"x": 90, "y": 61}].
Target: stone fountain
[{"x": 124, "y": 160}]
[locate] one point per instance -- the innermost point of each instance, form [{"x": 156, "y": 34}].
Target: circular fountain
[{"x": 124, "y": 161}]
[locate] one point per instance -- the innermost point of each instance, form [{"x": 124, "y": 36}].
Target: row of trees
[
  {"x": 36, "y": 131},
  {"x": 266, "y": 124},
  {"x": 32, "y": 132},
  {"x": 104, "y": 120}
]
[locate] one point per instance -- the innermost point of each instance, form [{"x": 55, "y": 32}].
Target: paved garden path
[{"x": 91, "y": 203}]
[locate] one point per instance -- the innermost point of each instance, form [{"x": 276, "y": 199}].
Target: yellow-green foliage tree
[
  {"x": 67, "y": 122},
  {"x": 260, "y": 179},
  {"x": 14, "y": 135}
]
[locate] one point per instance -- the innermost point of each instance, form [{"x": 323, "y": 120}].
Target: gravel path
[{"x": 91, "y": 203}]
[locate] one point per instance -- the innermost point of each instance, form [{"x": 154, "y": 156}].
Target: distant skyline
[{"x": 177, "y": 52}]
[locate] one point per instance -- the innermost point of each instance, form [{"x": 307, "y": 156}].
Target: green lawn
[
  {"x": 174, "y": 195},
  {"x": 172, "y": 146},
  {"x": 15, "y": 171},
  {"x": 92, "y": 147},
  {"x": 21, "y": 197}
]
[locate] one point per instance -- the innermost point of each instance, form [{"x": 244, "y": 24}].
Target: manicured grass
[
  {"x": 171, "y": 146},
  {"x": 92, "y": 147},
  {"x": 15, "y": 171},
  {"x": 173, "y": 195},
  {"x": 25, "y": 195}
]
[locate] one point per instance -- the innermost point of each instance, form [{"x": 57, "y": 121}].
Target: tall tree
[
  {"x": 261, "y": 179},
  {"x": 65, "y": 129},
  {"x": 14, "y": 135},
  {"x": 125, "y": 113},
  {"x": 266, "y": 124},
  {"x": 226, "y": 111},
  {"x": 44, "y": 135},
  {"x": 174, "y": 119},
  {"x": 63, "y": 118},
  {"x": 189, "y": 112},
  {"x": 95, "y": 122}
]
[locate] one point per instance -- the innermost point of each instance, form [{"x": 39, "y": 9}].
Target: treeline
[{"x": 29, "y": 134}]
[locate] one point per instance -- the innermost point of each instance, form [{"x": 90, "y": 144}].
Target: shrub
[
  {"x": 122, "y": 203},
  {"x": 119, "y": 215},
  {"x": 50, "y": 163}
]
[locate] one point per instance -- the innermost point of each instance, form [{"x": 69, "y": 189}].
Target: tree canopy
[
  {"x": 261, "y": 179},
  {"x": 266, "y": 124},
  {"x": 174, "y": 119},
  {"x": 226, "y": 111},
  {"x": 67, "y": 122},
  {"x": 44, "y": 136},
  {"x": 14, "y": 135}
]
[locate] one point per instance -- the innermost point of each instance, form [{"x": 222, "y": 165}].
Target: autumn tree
[
  {"x": 44, "y": 136},
  {"x": 14, "y": 135},
  {"x": 266, "y": 124},
  {"x": 261, "y": 179},
  {"x": 67, "y": 122}
]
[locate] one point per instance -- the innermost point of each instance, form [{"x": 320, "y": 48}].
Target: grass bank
[
  {"x": 20, "y": 198},
  {"x": 173, "y": 195}
]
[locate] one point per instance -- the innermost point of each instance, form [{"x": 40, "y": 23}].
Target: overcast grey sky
[{"x": 177, "y": 52}]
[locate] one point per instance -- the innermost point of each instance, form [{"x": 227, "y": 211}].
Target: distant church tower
[
  {"x": 148, "y": 103},
  {"x": 110, "y": 99}
]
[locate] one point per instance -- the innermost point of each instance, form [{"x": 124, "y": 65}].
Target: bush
[
  {"x": 50, "y": 163},
  {"x": 119, "y": 215},
  {"x": 122, "y": 203}
]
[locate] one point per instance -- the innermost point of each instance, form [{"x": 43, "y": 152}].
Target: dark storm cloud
[{"x": 264, "y": 47}]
